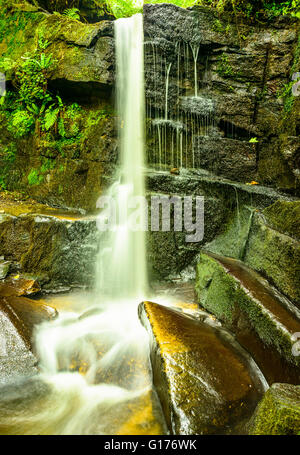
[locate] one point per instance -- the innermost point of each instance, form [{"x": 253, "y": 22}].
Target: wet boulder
[
  {"x": 25, "y": 314},
  {"x": 274, "y": 253},
  {"x": 206, "y": 383},
  {"x": 18, "y": 318},
  {"x": 57, "y": 248}
]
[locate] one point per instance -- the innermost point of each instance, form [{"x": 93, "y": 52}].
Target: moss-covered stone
[
  {"x": 284, "y": 216},
  {"x": 275, "y": 255},
  {"x": 279, "y": 412},
  {"x": 232, "y": 292},
  {"x": 58, "y": 248}
]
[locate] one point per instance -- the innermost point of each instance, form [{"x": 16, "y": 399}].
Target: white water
[
  {"x": 122, "y": 270},
  {"x": 94, "y": 359}
]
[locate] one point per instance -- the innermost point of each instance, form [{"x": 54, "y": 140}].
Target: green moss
[
  {"x": 34, "y": 178},
  {"x": 216, "y": 298},
  {"x": 285, "y": 217},
  {"x": 279, "y": 412},
  {"x": 224, "y": 69},
  {"x": 275, "y": 255}
]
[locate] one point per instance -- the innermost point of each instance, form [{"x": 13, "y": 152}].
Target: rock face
[
  {"x": 216, "y": 84},
  {"x": 251, "y": 308},
  {"x": 279, "y": 412},
  {"x": 240, "y": 73},
  {"x": 275, "y": 255},
  {"x": 204, "y": 380},
  {"x": 57, "y": 247}
]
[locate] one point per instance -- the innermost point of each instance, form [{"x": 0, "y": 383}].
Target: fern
[
  {"x": 72, "y": 13},
  {"x": 50, "y": 117},
  {"x": 61, "y": 128}
]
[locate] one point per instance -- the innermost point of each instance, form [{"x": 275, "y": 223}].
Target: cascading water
[
  {"x": 95, "y": 375},
  {"x": 122, "y": 270},
  {"x": 179, "y": 122}
]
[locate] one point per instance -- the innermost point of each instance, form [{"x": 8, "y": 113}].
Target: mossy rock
[
  {"x": 279, "y": 412},
  {"x": 284, "y": 216},
  {"x": 273, "y": 254},
  {"x": 235, "y": 294}
]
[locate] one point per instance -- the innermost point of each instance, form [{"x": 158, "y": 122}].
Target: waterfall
[
  {"x": 167, "y": 90},
  {"x": 195, "y": 51},
  {"x": 121, "y": 270}
]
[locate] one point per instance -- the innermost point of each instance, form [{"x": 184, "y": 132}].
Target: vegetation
[{"x": 256, "y": 9}]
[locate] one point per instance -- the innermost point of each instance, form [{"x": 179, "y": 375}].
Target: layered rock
[
  {"x": 240, "y": 69},
  {"x": 58, "y": 248},
  {"x": 67, "y": 168},
  {"x": 253, "y": 310}
]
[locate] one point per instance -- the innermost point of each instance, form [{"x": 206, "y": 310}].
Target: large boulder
[
  {"x": 205, "y": 381},
  {"x": 274, "y": 254}
]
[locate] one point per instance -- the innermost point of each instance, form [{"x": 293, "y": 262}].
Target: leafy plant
[
  {"x": 51, "y": 116},
  {"x": 22, "y": 123},
  {"x": 224, "y": 68},
  {"x": 72, "y": 13},
  {"x": 34, "y": 178}
]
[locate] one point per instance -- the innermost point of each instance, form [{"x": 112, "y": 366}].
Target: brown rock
[{"x": 204, "y": 380}]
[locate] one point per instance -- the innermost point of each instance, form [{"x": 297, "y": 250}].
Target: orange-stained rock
[
  {"x": 206, "y": 382},
  {"x": 19, "y": 286}
]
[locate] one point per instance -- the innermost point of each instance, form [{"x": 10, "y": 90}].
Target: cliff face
[
  {"x": 224, "y": 86},
  {"x": 219, "y": 103}
]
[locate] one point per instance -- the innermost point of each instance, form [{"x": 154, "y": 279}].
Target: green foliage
[
  {"x": 21, "y": 123},
  {"x": 250, "y": 9},
  {"x": 34, "y": 178},
  {"x": 72, "y": 13},
  {"x": 10, "y": 153},
  {"x": 51, "y": 116},
  {"x": 224, "y": 69}
]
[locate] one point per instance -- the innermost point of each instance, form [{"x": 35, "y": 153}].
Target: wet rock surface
[
  {"x": 253, "y": 310},
  {"x": 205, "y": 381},
  {"x": 279, "y": 412},
  {"x": 25, "y": 314},
  {"x": 275, "y": 255},
  {"x": 56, "y": 247},
  {"x": 241, "y": 78},
  {"x": 18, "y": 318}
]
